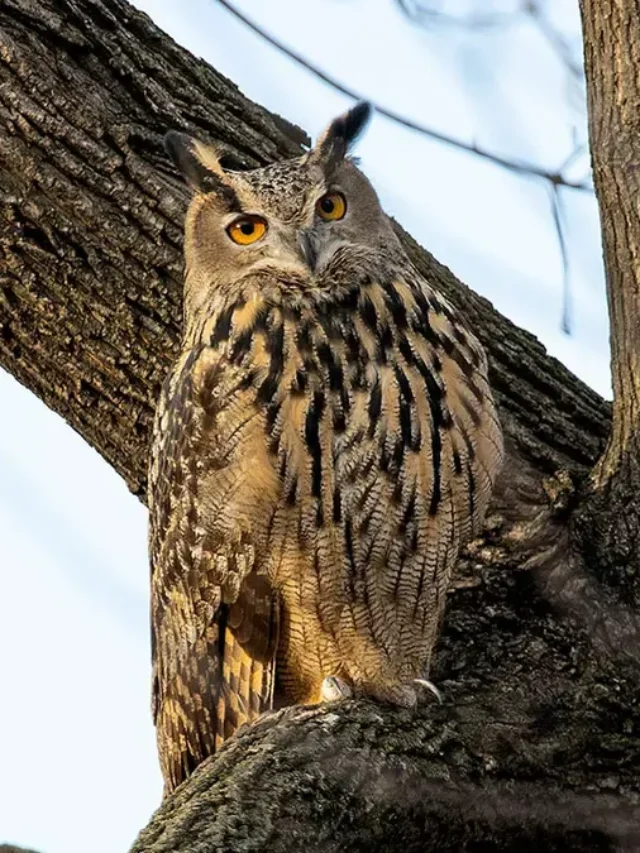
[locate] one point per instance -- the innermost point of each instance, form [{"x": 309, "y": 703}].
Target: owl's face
[{"x": 295, "y": 221}]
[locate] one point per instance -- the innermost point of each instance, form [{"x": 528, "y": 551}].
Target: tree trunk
[
  {"x": 612, "y": 47},
  {"x": 536, "y": 743},
  {"x": 608, "y": 525}
]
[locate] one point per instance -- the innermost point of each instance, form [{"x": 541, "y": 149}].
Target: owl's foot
[
  {"x": 424, "y": 682},
  {"x": 335, "y": 688},
  {"x": 400, "y": 694}
]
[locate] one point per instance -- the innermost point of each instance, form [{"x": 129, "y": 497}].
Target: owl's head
[{"x": 297, "y": 221}]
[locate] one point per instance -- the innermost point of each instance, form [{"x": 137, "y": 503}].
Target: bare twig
[
  {"x": 557, "y": 212},
  {"x": 428, "y": 15},
  {"x": 556, "y": 41},
  {"x": 580, "y": 149},
  {"x": 554, "y": 177}
]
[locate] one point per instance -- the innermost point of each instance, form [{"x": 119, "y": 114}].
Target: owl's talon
[
  {"x": 424, "y": 682},
  {"x": 335, "y": 688}
]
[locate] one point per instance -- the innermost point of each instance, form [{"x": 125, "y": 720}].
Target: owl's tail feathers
[
  {"x": 246, "y": 688},
  {"x": 248, "y": 656},
  {"x": 225, "y": 680},
  {"x": 185, "y": 731}
]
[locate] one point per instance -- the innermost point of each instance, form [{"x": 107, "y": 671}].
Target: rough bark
[
  {"x": 612, "y": 49},
  {"x": 608, "y": 525},
  {"x": 536, "y": 743}
]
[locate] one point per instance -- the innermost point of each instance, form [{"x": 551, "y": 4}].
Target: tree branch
[{"x": 360, "y": 777}]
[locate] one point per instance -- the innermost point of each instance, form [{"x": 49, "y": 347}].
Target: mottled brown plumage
[{"x": 323, "y": 447}]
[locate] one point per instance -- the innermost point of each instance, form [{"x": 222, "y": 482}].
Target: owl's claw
[
  {"x": 335, "y": 688},
  {"x": 430, "y": 686}
]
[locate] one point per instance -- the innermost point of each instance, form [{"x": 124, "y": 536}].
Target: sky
[{"x": 76, "y": 737}]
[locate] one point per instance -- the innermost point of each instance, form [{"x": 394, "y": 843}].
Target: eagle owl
[{"x": 323, "y": 447}]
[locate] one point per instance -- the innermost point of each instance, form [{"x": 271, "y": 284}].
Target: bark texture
[
  {"x": 608, "y": 525},
  {"x": 536, "y": 745},
  {"x": 612, "y": 49}
]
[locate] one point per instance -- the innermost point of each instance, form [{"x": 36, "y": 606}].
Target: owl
[{"x": 323, "y": 447}]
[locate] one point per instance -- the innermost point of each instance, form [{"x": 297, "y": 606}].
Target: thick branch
[{"x": 359, "y": 777}]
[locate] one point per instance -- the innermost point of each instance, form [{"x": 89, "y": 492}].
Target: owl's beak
[{"x": 307, "y": 248}]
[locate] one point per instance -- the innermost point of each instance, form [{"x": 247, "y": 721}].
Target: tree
[{"x": 535, "y": 746}]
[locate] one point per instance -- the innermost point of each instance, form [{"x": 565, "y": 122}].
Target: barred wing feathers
[{"x": 214, "y": 617}]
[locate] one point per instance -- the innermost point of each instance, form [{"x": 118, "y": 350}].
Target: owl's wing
[{"x": 214, "y": 617}]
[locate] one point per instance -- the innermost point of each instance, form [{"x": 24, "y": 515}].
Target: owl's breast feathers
[
  {"x": 381, "y": 428},
  {"x": 338, "y": 447},
  {"x": 382, "y": 375}
]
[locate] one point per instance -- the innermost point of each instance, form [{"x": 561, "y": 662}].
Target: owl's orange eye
[
  {"x": 331, "y": 207},
  {"x": 247, "y": 229}
]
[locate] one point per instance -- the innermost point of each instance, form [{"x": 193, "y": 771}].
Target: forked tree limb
[{"x": 537, "y": 739}]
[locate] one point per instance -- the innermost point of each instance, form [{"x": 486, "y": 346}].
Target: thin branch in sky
[
  {"x": 554, "y": 177},
  {"x": 558, "y": 221},
  {"x": 557, "y": 42},
  {"x": 427, "y": 14},
  {"x": 580, "y": 149}
]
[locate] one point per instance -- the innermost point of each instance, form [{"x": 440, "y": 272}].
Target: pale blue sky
[{"x": 77, "y": 744}]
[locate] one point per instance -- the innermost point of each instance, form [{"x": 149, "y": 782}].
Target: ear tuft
[
  {"x": 197, "y": 162},
  {"x": 343, "y": 131},
  {"x": 354, "y": 122}
]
